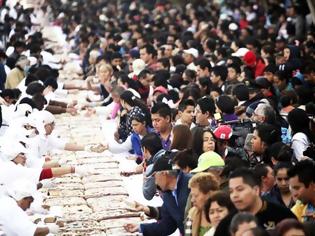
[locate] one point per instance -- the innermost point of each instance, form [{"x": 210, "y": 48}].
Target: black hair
[
  {"x": 144, "y": 73},
  {"x": 260, "y": 170},
  {"x": 285, "y": 100},
  {"x": 139, "y": 117},
  {"x": 236, "y": 67},
  {"x": 39, "y": 100},
  {"x": 34, "y": 88},
  {"x": 305, "y": 171},
  {"x": 299, "y": 122},
  {"x": 128, "y": 97},
  {"x": 191, "y": 91},
  {"x": 7, "y": 93},
  {"x": 281, "y": 152},
  {"x": 226, "y": 104},
  {"x": 184, "y": 104},
  {"x": 282, "y": 165},
  {"x": 162, "y": 110},
  {"x": 28, "y": 101},
  {"x": 150, "y": 49},
  {"x": 152, "y": 143},
  {"x": 223, "y": 200},
  {"x": 30, "y": 78},
  {"x": 51, "y": 81},
  {"x": 206, "y": 104},
  {"x": 190, "y": 74},
  {"x": 186, "y": 158},
  {"x": 206, "y": 84},
  {"x": 268, "y": 133},
  {"x": 220, "y": 71},
  {"x": 204, "y": 63},
  {"x": 247, "y": 175},
  {"x": 165, "y": 62}
]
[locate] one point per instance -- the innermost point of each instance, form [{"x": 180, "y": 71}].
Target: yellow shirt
[
  {"x": 299, "y": 210},
  {"x": 14, "y": 78}
]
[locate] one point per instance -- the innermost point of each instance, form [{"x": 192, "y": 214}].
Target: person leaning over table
[
  {"x": 48, "y": 140},
  {"x": 174, "y": 185},
  {"x": 17, "y": 198}
]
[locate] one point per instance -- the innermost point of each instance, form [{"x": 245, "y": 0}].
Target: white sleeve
[
  {"x": 14, "y": 220},
  {"x": 299, "y": 145},
  {"x": 56, "y": 143},
  {"x": 115, "y": 147}
]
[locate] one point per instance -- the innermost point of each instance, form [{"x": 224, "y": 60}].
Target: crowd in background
[{"x": 214, "y": 101}]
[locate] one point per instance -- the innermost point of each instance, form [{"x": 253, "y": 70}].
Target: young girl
[{"x": 140, "y": 129}]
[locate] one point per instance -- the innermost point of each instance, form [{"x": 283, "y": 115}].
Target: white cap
[
  {"x": 21, "y": 188},
  {"x": 22, "y": 109},
  {"x": 233, "y": 26},
  {"x": 11, "y": 148},
  {"x": 138, "y": 65},
  {"x": 240, "y": 52},
  {"x": 192, "y": 51},
  {"x": 46, "y": 117}
]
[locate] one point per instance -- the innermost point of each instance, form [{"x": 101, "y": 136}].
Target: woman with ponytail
[
  {"x": 263, "y": 137},
  {"x": 132, "y": 106}
]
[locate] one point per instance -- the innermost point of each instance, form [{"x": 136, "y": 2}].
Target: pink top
[{"x": 115, "y": 110}]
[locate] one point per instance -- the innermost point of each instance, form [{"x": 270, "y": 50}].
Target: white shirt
[
  {"x": 13, "y": 220},
  {"x": 300, "y": 143},
  {"x": 179, "y": 122},
  {"x": 50, "y": 142}
]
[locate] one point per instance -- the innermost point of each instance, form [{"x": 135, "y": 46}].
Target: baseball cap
[
  {"x": 160, "y": 89},
  {"x": 223, "y": 132},
  {"x": 208, "y": 160},
  {"x": 240, "y": 52},
  {"x": 163, "y": 163},
  {"x": 138, "y": 65},
  {"x": 192, "y": 51},
  {"x": 249, "y": 58}
]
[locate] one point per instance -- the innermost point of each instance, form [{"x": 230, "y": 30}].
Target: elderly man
[{"x": 13, "y": 204}]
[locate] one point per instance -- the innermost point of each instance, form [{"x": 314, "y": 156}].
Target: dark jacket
[
  {"x": 149, "y": 187},
  {"x": 172, "y": 215},
  {"x": 268, "y": 217}
]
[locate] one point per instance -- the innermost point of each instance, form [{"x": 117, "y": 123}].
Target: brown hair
[
  {"x": 182, "y": 137},
  {"x": 205, "y": 182}
]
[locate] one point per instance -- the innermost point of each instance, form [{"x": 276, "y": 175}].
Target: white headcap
[
  {"x": 46, "y": 117},
  {"x": 240, "y": 52},
  {"x": 192, "y": 51},
  {"x": 138, "y": 65},
  {"x": 12, "y": 148},
  {"x": 21, "y": 188}
]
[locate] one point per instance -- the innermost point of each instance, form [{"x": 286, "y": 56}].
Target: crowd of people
[{"x": 214, "y": 101}]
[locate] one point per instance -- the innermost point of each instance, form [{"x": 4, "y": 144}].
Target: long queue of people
[{"x": 214, "y": 102}]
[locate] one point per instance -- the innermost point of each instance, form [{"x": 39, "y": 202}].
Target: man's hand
[{"x": 131, "y": 228}]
